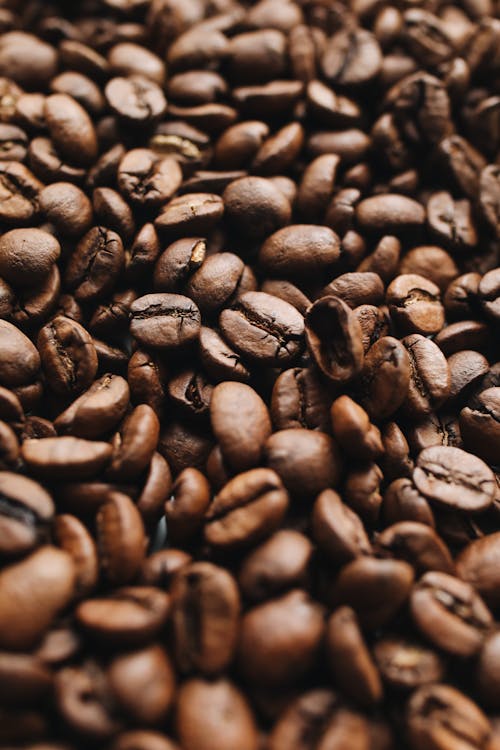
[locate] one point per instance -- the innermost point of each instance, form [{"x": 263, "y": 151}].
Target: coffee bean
[
  {"x": 69, "y": 457},
  {"x": 352, "y": 429},
  {"x": 430, "y": 378},
  {"x": 95, "y": 265},
  {"x": 440, "y": 714},
  {"x": 205, "y": 615},
  {"x": 67, "y": 208},
  {"x": 81, "y": 701},
  {"x": 385, "y": 378},
  {"x": 19, "y": 359},
  {"x": 186, "y": 506},
  {"x": 27, "y": 678},
  {"x": 217, "y": 282},
  {"x": 279, "y": 639},
  {"x": 136, "y": 99},
  {"x": 389, "y": 213},
  {"x": 129, "y": 616},
  {"x": 263, "y": 328},
  {"x": 98, "y": 410},
  {"x": 415, "y": 304},
  {"x": 164, "y": 321},
  {"x": 249, "y": 507},
  {"x": 418, "y": 544},
  {"x": 255, "y": 207},
  {"x": 454, "y": 478},
  {"x": 26, "y": 510},
  {"x": 142, "y": 739},
  {"x": 121, "y": 539},
  {"x": 27, "y": 255},
  {"x": 26, "y": 59},
  {"x": 337, "y": 529},
  {"x": 300, "y": 399},
  {"x": 307, "y": 461},
  {"x": 216, "y": 708},
  {"x": 32, "y": 593},
  {"x": 451, "y": 220},
  {"x": 477, "y": 564},
  {"x": 349, "y": 659},
  {"x": 191, "y": 214},
  {"x": 68, "y": 356},
  {"x": 72, "y": 536},
  {"x": 333, "y": 336},
  {"x": 219, "y": 360},
  {"x": 71, "y": 129},
  {"x": 406, "y": 664},
  {"x": 147, "y": 180},
  {"x": 298, "y": 250},
  {"x": 19, "y": 193},
  {"x": 450, "y": 613}
]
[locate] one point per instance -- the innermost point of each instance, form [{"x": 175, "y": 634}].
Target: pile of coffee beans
[{"x": 249, "y": 375}]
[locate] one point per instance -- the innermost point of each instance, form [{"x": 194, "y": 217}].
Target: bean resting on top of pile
[{"x": 250, "y": 375}]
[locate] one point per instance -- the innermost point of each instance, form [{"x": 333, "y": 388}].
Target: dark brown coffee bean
[
  {"x": 466, "y": 369},
  {"x": 489, "y": 294},
  {"x": 32, "y": 593},
  {"x": 439, "y": 715},
  {"x": 73, "y": 537},
  {"x": 143, "y": 684},
  {"x": 67, "y": 208},
  {"x": 128, "y": 58},
  {"x": 13, "y": 143},
  {"x": 279, "y": 151},
  {"x": 385, "y": 377},
  {"x": 129, "y": 616},
  {"x": 219, "y": 360},
  {"x": 351, "y": 57},
  {"x": 192, "y": 214},
  {"x": 430, "y": 378},
  {"x": 479, "y": 425},
  {"x": 80, "y": 697},
  {"x": 205, "y": 616},
  {"x": 406, "y": 664},
  {"x": 352, "y": 429},
  {"x": 374, "y": 322},
  {"x": 487, "y": 670},
  {"x": 349, "y": 659},
  {"x": 186, "y": 506},
  {"x": 66, "y": 457},
  {"x": 71, "y": 129},
  {"x": 418, "y": 544},
  {"x": 112, "y": 211},
  {"x": 450, "y": 613},
  {"x": 121, "y": 539},
  {"x": 68, "y": 356},
  {"x": 216, "y": 283},
  {"x": 333, "y": 336},
  {"x": 299, "y": 250},
  {"x": 463, "y": 163},
  {"x": 415, "y": 305},
  {"x": 454, "y": 478},
  {"x": 357, "y": 289},
  {"x": 98, "y": 410},
  {"x": 216, "y": 708},
  {"x": 135, "y": 444},
  {"x": 135, "y": 99},
  {"x": 432, "y": 262},
  {"x": 389, "y": 213},
  {"x": 280, "y": 563},
  {"x": 19, "y": 193},
  {"x": 257, "y": 56},
  {"x": 95, "y": 265},
  {"x": 337, "y": 529},
  {"x": 255, "y": 207},
  {"x": 81, "y": 88},
  {"x": 375, "y": 589},
  {"x": 164, "y": 321},
  {"x": 147, "y": 179},
  {"x": 27, "y": 255},
  {"x": 263, "y": 328},
  {"x": 26, "y": 510},
  {"x": 19, "y": 360},
  {"x": 300, "y": 399},
  {"x": 249, "y": 507},
  {"x": 307, "y": 461},
  {"x": 279, "y": 639},
  {"x": 181, "y": 259},
  {"x": 478, "y": 564},
  {"x": 27, "y": 60}
]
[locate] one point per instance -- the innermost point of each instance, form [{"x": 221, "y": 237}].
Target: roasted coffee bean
[
  {"x": 219, "y": 360},
  {"x": 121, "y": 539},
  {"x": 280, "y": 639},
  {"x": 164, "y": 321},
  {"x": 415, "y": 305},
  {"x": 418, "y": 544},
  {"x": 65, "y": 457},
  {"x": 216, "y": 282},
  {"x": 142, "y": 739},
  {"x": 337, "y": 529},
  {"x": 32, "y": 593},
  {"x": 186, "y": 506},
  {"x": 432, "y": 262},
  {"x": 480, "y": 425},
  {"x": 385, "y": 378},
  {"x": 205, "y": 618},
  {"x": 255, "y": 207},
  {"x": 300, "y": 399},
  {"x": 478, "y": 564},
  {"x": 352, "y": 429},
  {"x": 263, "y": 328},
  {"x": 135, "y": 99},
  {"x": 299, "y": 250},
  {"x": 439, "y": 715},
  {"x": 71, "y": 129},
  {"x": 19, "y": 193},
  {"x": 98, "y": 410},
  {"x": 26, "y": 59},
  {"x": 374, "y": 322},
  {"x": 80, "y": 695},
  {"x": 129, "y": 616},
  {"x": 216, "y": 708},
  {"x": 249, "y": 507},
  {"x": 389, "y": 213},
  {"x": 333, "y": 337},
  {"x": 66, "y": 207},
  {"x": 362, "y": 491},
  {"x": 68, "y": 356},
  {"x": 135, "y": 444},
  {"x": 147, "y": 180},
  {"x": 27, "y": 255},
  {"x": 73, "y": 537},
  {"x": 430, "y": 377},
  {"x": 176, "y": 264},
  {"x": 192, "y": 214},
  {"x": 406, "y": 664},
  {"x": 349, "y": 659},
  {"x": 454, "y": 478},
  {"x": 26, "y": 511},
  {"x": 95, "y": 265},
  {"x": 307, "y": 461}
]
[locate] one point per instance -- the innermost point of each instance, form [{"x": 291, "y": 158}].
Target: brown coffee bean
[
  {"x": 217, "y": 282},
  {"x": 121, "y": 539},
  {"x": 353, "y": 431},
  {"x": 181, "y": 259},
  {"x": 190, "y": 215},
  {"x": 439, "y": 715},
  {"x": 129, "y": 616},
  {"x": 279, "y": 640},
  {"x": 307, "y": 461},
  {"x": 300, "y": 399},
  {"x": 406, "y": 664},
  {"x": 374, "y": 322},
  {"x": 280, "y": 563},
  {"x": 95, "y": 265},
  {"x": 26, "y": 59},
  {"x": 255, "y": 207},
  {"x": 71, "y": 129},
  {"x": 72, "y": 536},
  {"x": 142, "y": 683},
  {"x": 27, "y": 255},
  {"x": 186, "y": 506},
  {"x": 298, "y": 250},
  {"x": 466, "y": 369},
  {"x": 450, "y": 613},
  {"x": 349, "y": 660},
  {"x": 80, "y": 693},
  {"x": 279, "y": 151},
  {"x": 218, "y": 359},
  {"x": 81, "y": 88},
  {"x": 142, "y": 739},
  {"x": 479, "y": 425},
  {"x": 32, "y": 592},
  {"x": 25, "y": 514},
  {"x": 98, "y": 410},
  {"x": 214, "y": 709},
  {"x": 430, "y": 378},
  {"x": 385, "y": 377},
  {"x": 25, "y": 679},
  {"x": 362, "y": 491},
  {"x": 19, "y": 193},
  {"x": 66, "y": 207},
  {"x": 128, "y": 58},
  {"x": 432, "y": 262},
  {"x": 375, "y": 589},
  {"x": 454, "y": 478},
  {"x": 337, "y": 529},
  {"x": 238, "y": 144},
  {"x": 135, "y": 444},
  {"x": 389, "y": 213},
  {"x": 113, "y": 211},
  {"x": 249, "y": 507},
  {"x": 146, "y": 179},
  {"x": 65, "y": 457},
  {"x": 205, "y": 618},
  {"x": 68, "y": 356},
  {"x": 135, "y": 99},
  {"x": 263, "y": 328},
  {"x": 418, "y": 544},
  {"x": 478, "y": 564},
  {"x": 333, "y": 336},
  {"x": 487, "y": 670},
  {"x": 415, "y": 305},
  {"x": 164, "y": 320}
]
